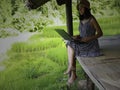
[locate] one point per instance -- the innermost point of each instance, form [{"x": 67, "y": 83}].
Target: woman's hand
[
  {"x": 86, "y": 39},
  {"x": 77, "y": 37}
]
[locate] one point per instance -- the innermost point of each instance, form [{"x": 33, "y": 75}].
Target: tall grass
[
  {"x": 110, "y": 25},
  {"x": 39, "y": 63},
  {"x": 36, "y": 45}
]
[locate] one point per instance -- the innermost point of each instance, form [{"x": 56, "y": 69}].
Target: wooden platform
[{"x": 104, "y": 71}]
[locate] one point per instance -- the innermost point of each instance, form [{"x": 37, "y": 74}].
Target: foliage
[
  {"x": 5, "y": 32},
  {"x": 34, "y": 64},
  {"x": 14, "y": 14}
]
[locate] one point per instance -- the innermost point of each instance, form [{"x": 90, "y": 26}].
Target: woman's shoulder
[{"x": 93, "y": 19}]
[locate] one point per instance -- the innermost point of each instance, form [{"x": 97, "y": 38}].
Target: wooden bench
[{"x": 104, "y": 71}]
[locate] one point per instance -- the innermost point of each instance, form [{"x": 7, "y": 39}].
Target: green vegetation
[
  {"x": 110, "y": 25},
  {"x": 14, "y": 15},
  {"x": 39, "y": 63}
]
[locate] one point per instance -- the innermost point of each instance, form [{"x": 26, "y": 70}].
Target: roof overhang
[{"x": 34, "y": 4}]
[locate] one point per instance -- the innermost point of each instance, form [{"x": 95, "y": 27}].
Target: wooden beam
[
  {"x": 60, "y": 2},
  {"x": 69, "y": 19}
]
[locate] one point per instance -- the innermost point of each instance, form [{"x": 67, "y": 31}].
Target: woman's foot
[
  {"x": 72, "y": 79},
  {"x": 69, "y": 70}
]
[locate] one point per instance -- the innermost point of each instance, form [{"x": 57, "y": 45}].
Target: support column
[
  {"x": 90, "y": 84},
  {"x": 69, "y": 17}
]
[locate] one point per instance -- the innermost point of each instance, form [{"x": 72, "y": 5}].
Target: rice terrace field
[{"x": 39, "y": 63}]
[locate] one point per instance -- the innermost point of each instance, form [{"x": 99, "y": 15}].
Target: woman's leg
[
  {"x": 72, "y": 77},
  {"x": 71, "y": 60},
  {"x": 72, "y": 65}
]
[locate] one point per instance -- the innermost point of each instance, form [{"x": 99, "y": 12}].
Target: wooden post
[
  {"x": 69, "y": 21},
  {"x": 69, "y": 17},
  {"x": 90, "y": 84}
]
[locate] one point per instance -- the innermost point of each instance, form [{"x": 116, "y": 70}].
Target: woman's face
[{"x": 81, "y": 10}]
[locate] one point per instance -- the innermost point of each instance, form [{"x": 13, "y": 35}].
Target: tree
[{"x": 14, "y": 14}]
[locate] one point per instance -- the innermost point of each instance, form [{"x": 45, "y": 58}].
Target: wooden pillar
[
  {"x": 69, "y": 17},
  {"x": 90, "y": 84}
]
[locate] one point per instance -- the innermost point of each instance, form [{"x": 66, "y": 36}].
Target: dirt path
[{"x": 6, "y": 43}]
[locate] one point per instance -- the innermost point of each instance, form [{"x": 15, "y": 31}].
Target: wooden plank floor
[{"x": 104, "y": 70}]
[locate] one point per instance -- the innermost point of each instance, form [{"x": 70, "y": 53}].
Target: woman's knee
[{"x": 70, "y": 48}]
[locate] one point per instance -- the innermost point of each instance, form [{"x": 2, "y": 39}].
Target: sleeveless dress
[{"x": 89, "y": 49}]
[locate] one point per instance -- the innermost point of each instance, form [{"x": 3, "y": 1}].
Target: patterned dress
[{"x": 89, "y": 49}]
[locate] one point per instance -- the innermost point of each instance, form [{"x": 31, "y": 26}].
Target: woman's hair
[{"x": 86, "y": 14}]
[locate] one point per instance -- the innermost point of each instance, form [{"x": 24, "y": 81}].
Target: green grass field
[{"x": 39, "y": 63}]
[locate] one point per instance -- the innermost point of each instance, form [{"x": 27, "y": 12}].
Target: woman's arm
[{"x": 98, "y": 34}]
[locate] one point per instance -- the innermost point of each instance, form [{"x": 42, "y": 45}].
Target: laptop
[{"x": 64, "y": 34}]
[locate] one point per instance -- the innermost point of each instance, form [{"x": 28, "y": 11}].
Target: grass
[
  {"x": 39, "y": 63},
  {"x": 110, "y": 25}
]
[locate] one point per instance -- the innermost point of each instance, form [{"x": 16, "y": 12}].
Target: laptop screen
[{"x": 64, "y": 34}]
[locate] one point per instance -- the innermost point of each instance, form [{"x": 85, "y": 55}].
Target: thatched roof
[
  {"x": 33, "y": 4},
  {"x": 41, "y": 2}
]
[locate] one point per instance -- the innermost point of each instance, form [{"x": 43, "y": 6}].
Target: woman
[{"x": 89, "y": 32}]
